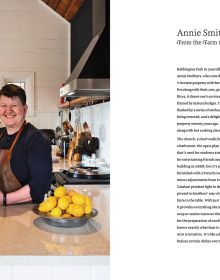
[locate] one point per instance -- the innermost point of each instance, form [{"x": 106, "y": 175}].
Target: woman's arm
[
  {"x": 19, "y": 196},
  {"x": 39, "y": 161}
]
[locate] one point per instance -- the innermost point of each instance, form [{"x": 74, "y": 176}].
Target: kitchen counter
[
  {"x": 62, "y": 178},
  {"x": 63, "y": 164},
  {"x": 25, "y": 234}
]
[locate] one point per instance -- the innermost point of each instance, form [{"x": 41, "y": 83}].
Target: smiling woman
[
  {"x": 24, "y": 80},
  {"x": 25, "y": 154},
  {"x": 12, "y": 111}
]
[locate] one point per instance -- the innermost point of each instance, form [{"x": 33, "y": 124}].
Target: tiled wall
[
  {"x": 36, "y": 39},
  {"x": 98, "y": 118},
  {"x": 58, "y": 272}
]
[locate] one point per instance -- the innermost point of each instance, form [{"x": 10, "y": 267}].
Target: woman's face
[{"x": 12, "y": 112}]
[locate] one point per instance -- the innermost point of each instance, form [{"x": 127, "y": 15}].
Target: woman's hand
[{"x": 19, "y": 196}]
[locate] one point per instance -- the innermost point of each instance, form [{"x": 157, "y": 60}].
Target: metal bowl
[{"x": 65, "y": 222}]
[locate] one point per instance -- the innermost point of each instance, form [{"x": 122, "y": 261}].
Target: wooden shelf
[{"x": 83, "y": 101}]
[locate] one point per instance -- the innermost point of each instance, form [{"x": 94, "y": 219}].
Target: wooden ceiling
[{"x": 66, "y": 8}]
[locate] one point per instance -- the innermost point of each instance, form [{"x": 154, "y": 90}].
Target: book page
[{"x": 172, "y": 156}]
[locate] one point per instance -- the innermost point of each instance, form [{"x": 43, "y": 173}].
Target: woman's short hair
[{"x": 11, "y": 90}]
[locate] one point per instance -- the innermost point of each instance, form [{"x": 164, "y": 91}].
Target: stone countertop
[{"x": 25, "y": 234}]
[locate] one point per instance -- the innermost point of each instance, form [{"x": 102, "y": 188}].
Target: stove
[{"x": 65, "y": 177}]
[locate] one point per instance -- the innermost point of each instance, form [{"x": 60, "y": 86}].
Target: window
[
  {"x": 20, "y": 84},
  {"x": 24, "y": 80}
]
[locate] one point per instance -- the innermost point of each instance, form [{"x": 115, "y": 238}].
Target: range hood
[{"x": 77, "y": 85}]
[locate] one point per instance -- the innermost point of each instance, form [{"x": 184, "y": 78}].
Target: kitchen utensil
[
  {"x": 69, "y": 113},
  {"x": 65, "y": 222}
]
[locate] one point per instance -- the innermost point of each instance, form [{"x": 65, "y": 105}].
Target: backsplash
[{"x": 98, "y": 118}]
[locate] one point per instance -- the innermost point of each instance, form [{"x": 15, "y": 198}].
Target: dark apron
[{"x": 8, "y": 181}]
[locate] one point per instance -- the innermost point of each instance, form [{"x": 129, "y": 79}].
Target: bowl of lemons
[{"x": 66, "y": 208}]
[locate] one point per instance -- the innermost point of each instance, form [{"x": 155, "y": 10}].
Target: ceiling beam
[
  {"x": 62, "y": 6},
  {"x": 66, "y": 8},
  {"x": 53, "y": 4},
  {"x": 73, "y": 9}
]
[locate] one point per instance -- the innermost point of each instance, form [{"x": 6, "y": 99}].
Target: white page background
[{"x": 143, "y": 142}]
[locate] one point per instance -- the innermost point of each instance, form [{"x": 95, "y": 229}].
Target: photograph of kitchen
[{"x": 57, "y": 53}]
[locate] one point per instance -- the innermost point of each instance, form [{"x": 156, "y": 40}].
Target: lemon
[
  {"x": 56, "y": 212},
  {"x": 78, "y": 199},
  {"x": 69, "y": 198},
  {"x": 88, "y": 208},
  {"x": 60, "y": 191},
  {"x": 88, "y": 200},
  {"x": 71, "y": 192},
  {"x": 66, "y": 215},
  {"x": 78, "y": 210},
  {"x": 69, "y": 210},
  {"x": 63, "y": 202},
  {"x": 47, "y": 205},
  {"x": 52, "y": 201},
  {"x": 43, "y": 207}
]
